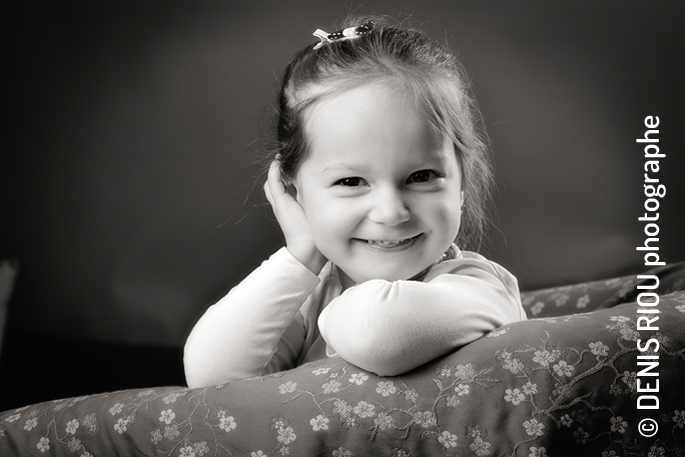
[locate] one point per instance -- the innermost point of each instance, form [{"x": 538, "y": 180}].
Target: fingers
[
  {"x": 274, "y": 188},
  {"x": 267, "y": 192},
  {"x": 274, "y": 177}
]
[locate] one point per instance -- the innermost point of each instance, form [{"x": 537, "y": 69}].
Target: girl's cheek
[{"x": 449, "y": 213}]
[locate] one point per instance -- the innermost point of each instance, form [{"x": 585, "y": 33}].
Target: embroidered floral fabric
[
  {"x": 543, "y": 387},
  {"x": 594, "y": 295}
]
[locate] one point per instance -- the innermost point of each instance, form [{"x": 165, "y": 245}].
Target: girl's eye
[
  {"x": 422, "y": 176},
  {"x": 349, "y": 182}
]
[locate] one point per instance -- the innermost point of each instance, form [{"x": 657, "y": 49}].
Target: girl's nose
[{"x": 389, "y": 208}]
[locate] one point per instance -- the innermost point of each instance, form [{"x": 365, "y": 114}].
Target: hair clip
[{"x": 342, "y": 35}]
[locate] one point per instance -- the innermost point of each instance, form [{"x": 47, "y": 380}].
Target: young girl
[{"x": 379, "y": 170}]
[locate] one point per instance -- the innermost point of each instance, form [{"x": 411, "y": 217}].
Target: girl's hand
[{"x": 292, "y": 220}]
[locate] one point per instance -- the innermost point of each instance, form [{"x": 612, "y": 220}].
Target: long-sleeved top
[{"x": 282, "y": 315}]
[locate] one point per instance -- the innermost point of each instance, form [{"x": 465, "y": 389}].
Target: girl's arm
[
  {"x": 392, "y": 327},
  {"x": 255, "y": 329}
]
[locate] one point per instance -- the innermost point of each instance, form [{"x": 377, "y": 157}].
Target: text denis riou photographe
[{"x": 647, "y": 299}]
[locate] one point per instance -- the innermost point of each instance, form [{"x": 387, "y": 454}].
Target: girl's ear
[{"x": 462, "y": 199}]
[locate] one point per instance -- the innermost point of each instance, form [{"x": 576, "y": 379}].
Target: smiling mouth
[{"x": 389, "y": 244}]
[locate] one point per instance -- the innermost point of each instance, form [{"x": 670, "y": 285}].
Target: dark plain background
[{"x": 131, "y": 130}]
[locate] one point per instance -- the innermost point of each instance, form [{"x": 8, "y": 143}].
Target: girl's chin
[{"x": 360, "y": 277}]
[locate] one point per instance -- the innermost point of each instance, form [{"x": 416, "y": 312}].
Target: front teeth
[{"x": 387, "y": 244}]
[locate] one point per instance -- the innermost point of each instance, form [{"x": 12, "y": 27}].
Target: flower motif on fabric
[
  {"x": 425, "y": 419},
  {"x": 545, "y": 357},
  {"x": 656, "y": 451},
  {"x": 462, "y": 389},
  {"x": 618, "y": 424},
  {"x": 200, "y": 448},
  {"x": 479, "y": 446},
  {"x": 342, "y": 452},
  {"x": 364, "y": 410},
  {"x": 386, "y": 388},
  {"x": 120, "y": 426},
  {"x": 566, "y": 420},
  {"x": 171, "y": 432},
  {"x": 285, "y": 435},
  {"x": 320, "y": 422},
  {"x": 74, "y": 444},
  {"x": 453, "y": 401},
  {"x": 31, "y": 424},
  {"x": 226, "y": 423},
  {"x": 172, "y": 397},
  {"x": 529, "y": 388},
  {"x": 581, "y": 435},
  {"x": 561, "y": 299},
  {"x": 287, "y": 388},
  {"x": 331, "y": 387},
  {"x": 445, "y": 371},
  {"x": 448, "y": 440},
  {"x": 629, "y": 334},
  {"x": 187, "y": 451},
  {"x": 563, "y": 369},
  {"x": 465, "y": 372},
  {"x": 537, "y": 308},
  {"x": 342, "y": 407},
  {"x": 630, "y": 380},
  {"x": 599, "y": 349},
  {"x": 583, "y": 302},
  {"x": 537, "y": 452},
  {"x": 384, "y": 422},
  {"x": 13, "y": 418},
  {"x": 561, "y": 389},
  {"x": 116, "y": 409},
  {"x": 167, "y": 416},
  {"x": 411, "y": 395},
  {"x": 72, "y": 426},
  {"x": 515, "y": 396},
  {"x": 90, "y": 423},
  {"x": 533, "y": 427},
  {"x": 358, "y": 378},
  {"x": 43, "y": 444},
  {"x": 156, "y": 436},
  {"x": 513, "y": 365},
  {"x": 320, "y": 371}
]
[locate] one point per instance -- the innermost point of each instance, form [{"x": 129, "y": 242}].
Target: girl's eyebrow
[
  {"x": 433, "y": 157},
  {"x": 342, "y": 166}
]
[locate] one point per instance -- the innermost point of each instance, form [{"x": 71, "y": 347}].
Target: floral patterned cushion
[
  {"x": 553, "y": 386},
  {"x": 590, "y": 296}
]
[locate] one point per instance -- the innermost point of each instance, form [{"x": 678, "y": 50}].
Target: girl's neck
[{"x": 346, "y": 282}]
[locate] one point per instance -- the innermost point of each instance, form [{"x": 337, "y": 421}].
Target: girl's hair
[{"x": 422, "y": 68}]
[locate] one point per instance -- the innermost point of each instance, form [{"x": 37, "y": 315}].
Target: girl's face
[{"x": 381, "y": 190}]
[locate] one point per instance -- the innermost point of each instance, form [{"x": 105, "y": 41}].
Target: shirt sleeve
[
  {"x": 392, "y": 327},
  {"x": 255, "y": 329}
]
